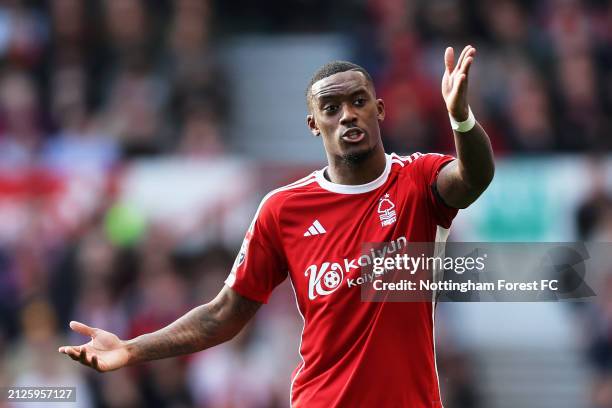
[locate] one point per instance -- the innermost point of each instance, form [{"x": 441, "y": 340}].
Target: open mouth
[{"x": 353, "y": 135}]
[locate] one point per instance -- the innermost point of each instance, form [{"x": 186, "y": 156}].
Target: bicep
[{"x": 451, "y": 187}]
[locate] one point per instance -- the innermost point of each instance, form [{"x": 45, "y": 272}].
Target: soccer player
[{"x": 354, "y": 353}]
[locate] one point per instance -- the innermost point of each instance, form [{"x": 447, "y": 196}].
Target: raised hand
[
  {"x": 105, "y": 351},
  {"x": 455, "y": 81}
]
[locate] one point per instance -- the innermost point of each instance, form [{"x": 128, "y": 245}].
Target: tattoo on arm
[{"x": 201, "y": 328}]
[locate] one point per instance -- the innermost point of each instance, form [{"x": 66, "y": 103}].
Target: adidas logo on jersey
[{"x": 315, "y": 229}]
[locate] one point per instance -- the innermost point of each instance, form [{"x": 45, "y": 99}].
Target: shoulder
[
  {"x": 418, "y": 161},
  {"x": 406, "y": 165},
  {"x": 422, "y": 168},
  {"x": 272, "y": 202},
  {"x": 404, "y": 161}
]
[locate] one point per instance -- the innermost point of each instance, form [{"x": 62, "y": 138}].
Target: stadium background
[{"x": 137, "y": 137}]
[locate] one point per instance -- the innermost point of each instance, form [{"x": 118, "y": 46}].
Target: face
[{"x": 346, "y": 113}]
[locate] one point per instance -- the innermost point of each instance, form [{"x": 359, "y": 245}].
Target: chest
[{"x": 326, "y": 236}]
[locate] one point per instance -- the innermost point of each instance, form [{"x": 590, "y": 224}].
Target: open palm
[
  {"x": 105, "y": 351},
  {"x": 455, "y": 80}
]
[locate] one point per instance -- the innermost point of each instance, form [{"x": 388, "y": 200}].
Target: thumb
[
  {"x": 449, "y": 59},
  {"x": 82, "y": 328}
]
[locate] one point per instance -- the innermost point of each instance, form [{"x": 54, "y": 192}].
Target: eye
[
  {"x": 330, "y": 108},
  {"x": 360, "y": 101}
]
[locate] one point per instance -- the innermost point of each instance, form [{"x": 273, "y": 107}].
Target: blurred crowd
[
  {"x": 99, "y": 83},
  {"x": 542, "y": 82},
  {"x": 116, "y": 79}
]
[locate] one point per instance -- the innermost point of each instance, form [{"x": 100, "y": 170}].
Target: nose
[{"x": 348, "y": 115}]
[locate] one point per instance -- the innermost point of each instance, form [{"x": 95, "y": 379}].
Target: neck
[{"x": 342, "y": 171}]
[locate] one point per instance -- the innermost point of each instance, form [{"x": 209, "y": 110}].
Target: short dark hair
[{"x": 332, "y": 68}]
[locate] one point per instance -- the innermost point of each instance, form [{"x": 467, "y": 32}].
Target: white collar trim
[{"x": 354, "y": 188}]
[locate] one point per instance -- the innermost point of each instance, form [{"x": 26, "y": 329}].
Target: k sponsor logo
[{"x": 324, "y": 280}]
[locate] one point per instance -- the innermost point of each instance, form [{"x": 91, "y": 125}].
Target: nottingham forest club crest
[{"x": 386, "y": 211}]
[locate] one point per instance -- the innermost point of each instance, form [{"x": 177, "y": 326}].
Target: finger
[
  {"x": 74, "y": 356},
  {"x": 82, "y": 328},
  {"x": 466, "y": 65},
  {"x": 449, "y": 56},
  {"x": 469, "y": 60},
  {"x": 467, "y": 54},
  {"x": 462, "y": 56},
  {"x": 94, "y": 363},
  {"x": 72, "y": 352},
  {"x": 68, "y": 349},
  {"x": 461, "y": 80},
  {"x": 83, "y": 358}
]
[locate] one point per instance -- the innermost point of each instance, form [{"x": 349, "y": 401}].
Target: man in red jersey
[{"x": 354, "y": 353}]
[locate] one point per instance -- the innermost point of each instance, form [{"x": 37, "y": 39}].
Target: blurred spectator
[
  {"x": 234, "y": 375},
  {"x": 22, "y": 33},
  {"x": 70, "y": 35},
  {"x": 582, "y": 120},
  {"x": 31, "y": 365},
  {"x": 134, "y": 111},
  {"x": 460, "y": 387},
  {"x": 599, "y": 329},
  {"x": 192, "y": 63},
  {"x": 21, "y": 131},
  {"x": 97, "y": 296},
  {"x": 529, "y": 113},
  {"x": 594, "y": 214},
  {"x": 80, "y": 141},
  {"x": 128, "y": 28},
  {"x": 444, "y": 20},
  {"x": 201, "y": 134}
]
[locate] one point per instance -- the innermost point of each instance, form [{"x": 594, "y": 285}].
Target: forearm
[
  {"x": 195, "y": 331},
  {"x": 201, "y": 328},
  {"x": 461, "y": 182},
  {"x": 475, "y": 158}
]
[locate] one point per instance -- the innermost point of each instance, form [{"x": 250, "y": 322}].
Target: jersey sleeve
[
  {"x": 429, "y": 166},
  {"x": 260, "y": 265}
]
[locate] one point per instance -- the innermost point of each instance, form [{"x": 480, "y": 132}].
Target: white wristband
[{"x": 464, "y": 126}]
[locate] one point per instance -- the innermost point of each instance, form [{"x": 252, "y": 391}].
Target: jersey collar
[{"x": 354, "y": 188}]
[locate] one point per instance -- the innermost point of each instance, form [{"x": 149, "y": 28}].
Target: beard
[{"x": 356, "y": 158}]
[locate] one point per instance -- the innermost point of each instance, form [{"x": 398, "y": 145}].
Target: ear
[
  {"x": 380, "y": 107},
  {"x": 312, "y": 124}
]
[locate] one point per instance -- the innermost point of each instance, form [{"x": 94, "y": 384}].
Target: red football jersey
[{"x": 355, "y": 354}]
